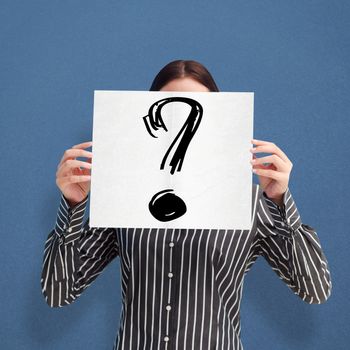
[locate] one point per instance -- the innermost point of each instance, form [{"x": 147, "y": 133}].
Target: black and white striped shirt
[{"x": 182, "y": 288}]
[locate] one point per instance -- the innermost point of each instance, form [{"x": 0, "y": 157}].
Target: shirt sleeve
[
  {"x": 74, "y": 254},
  {"x": 292, "y": 249}
]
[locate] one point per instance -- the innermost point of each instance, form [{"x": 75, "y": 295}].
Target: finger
[
  {"x": 83, "y": 145},
  {"x": 71, "y": 164},
  {"x": 270, "y": 148},
  {"x": 273, "y": 174},
  {"x": 259, "y": 142},
  {"x": 256, "y": 165},
  {"x": 67, "y": 180},
  {"x": 74, "y": 153},
  {"x": 87, "y": 171},
  {"x": 75, "y": 164},
  {"x": 272, "y": 159}
]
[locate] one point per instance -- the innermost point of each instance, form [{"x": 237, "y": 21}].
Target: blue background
[{"x": 295, "y": 57}]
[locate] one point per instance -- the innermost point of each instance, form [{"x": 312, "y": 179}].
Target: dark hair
[{"x": 184, "y": 68}]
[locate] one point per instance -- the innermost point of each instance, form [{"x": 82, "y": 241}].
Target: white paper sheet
[{"x": 215, "y": 180}]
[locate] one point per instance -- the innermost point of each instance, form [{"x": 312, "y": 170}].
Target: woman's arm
[
  {"x": 292, "y": 249},
  {"x": 74, "y": 254}
]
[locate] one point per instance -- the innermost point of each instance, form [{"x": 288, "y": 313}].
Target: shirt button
[
  {"x": 70, "y": 229},
  {"x": 166, "y": 338},
  {"x": 170, "y": 274},
  {"x": 171, "y": 244},
  {"x": 168, "y": 307},
  {"x": 283, "y": 224}
]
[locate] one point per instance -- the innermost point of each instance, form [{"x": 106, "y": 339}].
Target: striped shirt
[{"x": 182, "y": 288}]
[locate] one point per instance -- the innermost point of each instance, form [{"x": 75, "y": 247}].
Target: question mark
[{"x": 165, "y": 205}]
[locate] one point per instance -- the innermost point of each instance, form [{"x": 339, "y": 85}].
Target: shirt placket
[
  {"x": 169, "y": 304},
  {"x": 174, "y": 282}
]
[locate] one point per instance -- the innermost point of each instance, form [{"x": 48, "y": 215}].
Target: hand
[
  {"x": 73, "y": 177},
  {"x": 274, "y": 176}
]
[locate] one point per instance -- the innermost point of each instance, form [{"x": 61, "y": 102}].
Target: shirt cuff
[
  {"x": 289, "y": 215},
  {"x": 69, "y": 219}
]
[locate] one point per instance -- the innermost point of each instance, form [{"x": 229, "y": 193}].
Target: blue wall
[{"x": 295, "y": 57}]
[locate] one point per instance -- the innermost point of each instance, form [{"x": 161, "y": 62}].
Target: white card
[{"x": 208, "y": 185}]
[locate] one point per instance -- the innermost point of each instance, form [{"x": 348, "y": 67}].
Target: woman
[{"x": 182, "y": 289}]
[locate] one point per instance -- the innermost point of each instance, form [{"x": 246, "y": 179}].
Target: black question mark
[{"x": 164, "y": 205}]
